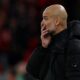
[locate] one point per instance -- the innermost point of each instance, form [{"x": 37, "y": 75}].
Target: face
[{"x": 49, "y": 22}]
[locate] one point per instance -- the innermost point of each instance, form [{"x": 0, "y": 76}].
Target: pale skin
[{"x": 54, "y": 21}]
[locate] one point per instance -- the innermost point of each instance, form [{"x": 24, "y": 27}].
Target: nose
[{"x": 42, "y": 23}]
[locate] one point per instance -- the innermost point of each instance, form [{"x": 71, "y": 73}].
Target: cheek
[
  {"x": 48, "y": 25},
  {"x": 52, "y": 27}
]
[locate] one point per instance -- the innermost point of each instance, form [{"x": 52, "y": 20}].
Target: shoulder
[
  {"x": 74, "y": 28},
  {"x": 74, "y": 37}
]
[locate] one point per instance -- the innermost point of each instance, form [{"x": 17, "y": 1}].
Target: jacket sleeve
[
  {"x": 36, "y": 61},
  {"x": 72, "y": 68}
]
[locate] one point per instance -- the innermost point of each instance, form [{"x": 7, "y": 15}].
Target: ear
[{"x": 57, "y": 20}]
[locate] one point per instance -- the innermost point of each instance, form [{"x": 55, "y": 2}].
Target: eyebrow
[{"x": 45, "y": 17}]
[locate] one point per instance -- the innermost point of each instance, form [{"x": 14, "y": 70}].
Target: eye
[{"x": 45, "y": 18}]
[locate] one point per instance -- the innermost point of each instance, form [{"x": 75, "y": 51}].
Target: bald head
[{"x": 56, "y": 10}]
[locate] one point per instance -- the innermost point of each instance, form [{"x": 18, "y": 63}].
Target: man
[{"x": 54, "y": 59}]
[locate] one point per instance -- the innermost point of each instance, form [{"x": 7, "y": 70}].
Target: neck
[{"x": 59, "y": 29}]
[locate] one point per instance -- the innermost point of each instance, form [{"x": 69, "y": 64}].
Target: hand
[{"x": 45, "y": 37}]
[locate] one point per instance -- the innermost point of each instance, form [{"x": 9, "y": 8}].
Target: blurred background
[{"x": 20, "y": 31}]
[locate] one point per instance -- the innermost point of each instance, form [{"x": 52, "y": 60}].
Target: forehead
[{"x": 47, "y": 13}]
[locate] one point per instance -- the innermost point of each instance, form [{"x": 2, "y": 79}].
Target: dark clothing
[
  {"x": 61, "y": 60},
  {"x": 29, "y": 77}
]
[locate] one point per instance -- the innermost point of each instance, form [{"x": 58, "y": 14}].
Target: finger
[{"x": 44, "y": 33}]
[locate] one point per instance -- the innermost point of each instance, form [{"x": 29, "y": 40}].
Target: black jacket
[{"x": 61, "y": 60}]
